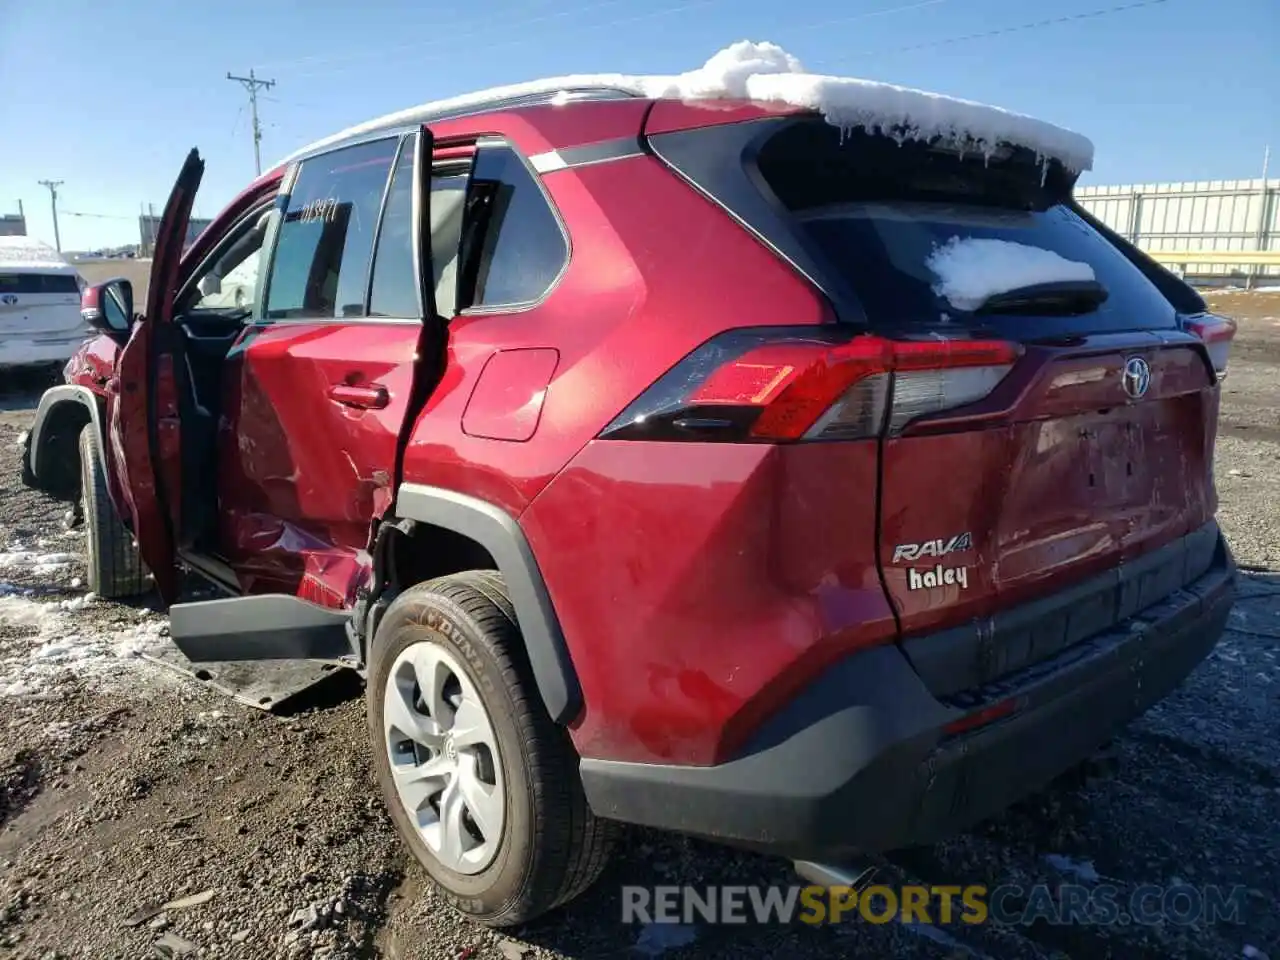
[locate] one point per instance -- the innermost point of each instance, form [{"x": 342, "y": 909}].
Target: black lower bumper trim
[{"x": 861, "y": 761}]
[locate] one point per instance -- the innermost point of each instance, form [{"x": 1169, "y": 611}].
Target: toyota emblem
[{"x": 1137, "y": 377}]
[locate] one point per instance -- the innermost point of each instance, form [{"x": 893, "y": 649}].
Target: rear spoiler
[{"x": 1177, "y": 291}]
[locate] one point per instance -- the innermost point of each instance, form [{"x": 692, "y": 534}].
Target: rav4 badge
[{"x": 911, "y": 552}]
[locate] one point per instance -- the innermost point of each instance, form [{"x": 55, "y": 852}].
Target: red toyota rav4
[{"x": 632, "y": 450}]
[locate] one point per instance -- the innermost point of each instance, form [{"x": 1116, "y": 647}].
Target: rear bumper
[
  {"x": 862, "y": 760},
  {"x": 17, "y": 352}
]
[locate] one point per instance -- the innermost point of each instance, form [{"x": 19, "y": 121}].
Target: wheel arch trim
[
  {"x": 499, "y": 533},
  {"x": 51, "y": 400}
]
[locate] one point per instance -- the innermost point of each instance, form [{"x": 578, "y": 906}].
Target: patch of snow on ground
[
  {"x": 21, "y": 612},
  {"x": 972, "y": 269},
  {"x": 764, "y": 72},
  {"x": 40, "y": 564},
  {"x": 655, "y": 939},
  {"x": 1081, "y": 869},
  {"x": 1256, "y": 288},
  {"x": 65, "y": 643}
]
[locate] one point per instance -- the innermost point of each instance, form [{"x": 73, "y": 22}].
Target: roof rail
[{"x": 407, "y": 120}]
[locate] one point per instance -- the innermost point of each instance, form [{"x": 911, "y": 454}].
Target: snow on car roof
[
  {"x": 764, "y": 72},
  {"x": 29, "y": 253}
]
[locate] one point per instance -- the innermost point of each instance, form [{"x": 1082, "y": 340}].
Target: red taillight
[
  {"x": 782, "y": 384},
  {"x": 758, "y": 376},
  {"x": 1216, "y": 333}
]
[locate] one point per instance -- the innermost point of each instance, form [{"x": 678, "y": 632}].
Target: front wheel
[
  {"x": 114, "y": 566},
  {"x": 480, "y": 783},
  {"x": 28, "y": 475}
]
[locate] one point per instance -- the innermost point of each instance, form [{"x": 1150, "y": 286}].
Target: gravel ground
[{"x": 142, "y": 814}]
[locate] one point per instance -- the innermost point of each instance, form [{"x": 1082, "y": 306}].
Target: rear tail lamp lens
[
  {"x": 779, "y": 384},
  {"x": 1217, "y": 334}
]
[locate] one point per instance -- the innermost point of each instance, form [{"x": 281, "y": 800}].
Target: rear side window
[
  {"x": 33, "y": 283},
  {"x": 875, "y": 210},
  {"x": 321, "y": 263},
  {"x": 448, "y": 207},
  {"x": 513, "y": 247}
]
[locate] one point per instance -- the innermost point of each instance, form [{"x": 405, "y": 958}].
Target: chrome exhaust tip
[{"x": 855, "y": 875}]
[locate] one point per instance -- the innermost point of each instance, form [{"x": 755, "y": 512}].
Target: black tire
[
  {"x": 115, "y": 568},
  {"x": 552, "y": 847},
  {"x": 28, "y": 476}
]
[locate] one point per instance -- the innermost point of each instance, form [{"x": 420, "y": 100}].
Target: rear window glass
[
  {"x": 875, "y": 210},
  {"x": 30, "y": 283}
]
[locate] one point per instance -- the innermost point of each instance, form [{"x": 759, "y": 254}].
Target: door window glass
[
  {"x": 321, "y": 263},
  {"x": 395, "y": 282}
]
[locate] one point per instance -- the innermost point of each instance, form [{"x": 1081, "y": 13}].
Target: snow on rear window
[
  {"x": 765, "y": 72},
  {"x": 971, "y": 270}
]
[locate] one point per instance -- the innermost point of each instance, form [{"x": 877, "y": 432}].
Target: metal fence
[{"x": 1225, "y": 217}]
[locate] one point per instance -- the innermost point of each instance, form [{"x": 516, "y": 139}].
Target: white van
[{"x": 39, "y": 305}]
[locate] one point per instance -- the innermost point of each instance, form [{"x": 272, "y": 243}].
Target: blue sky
[{"x": 109, "y": 100}]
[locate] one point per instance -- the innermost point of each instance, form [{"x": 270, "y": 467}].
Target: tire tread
[
  {"x": 573, "y": 845},
  {"x": 115, "y": 568}
]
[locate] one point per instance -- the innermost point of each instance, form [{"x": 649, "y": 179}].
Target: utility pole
[
  {"x": 252, "y": 83},
  {"x": 53, "y": 186}
]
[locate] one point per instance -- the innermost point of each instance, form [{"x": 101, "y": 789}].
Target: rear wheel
[
  {"x": 115, "y": 568},
  {"x": 480, "y": 782}
]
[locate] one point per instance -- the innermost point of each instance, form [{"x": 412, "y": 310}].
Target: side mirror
[
  {"x": 210, "y": 285},
  {"x": 108, "y": 306}
]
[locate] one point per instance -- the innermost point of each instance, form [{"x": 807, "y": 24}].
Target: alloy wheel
[{"x": 444, "y": 757}]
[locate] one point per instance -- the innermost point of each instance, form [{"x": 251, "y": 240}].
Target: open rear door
[{"x": 143, "y": 433}]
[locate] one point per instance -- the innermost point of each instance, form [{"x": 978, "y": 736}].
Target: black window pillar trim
[
  {"x": 699, "y": 156},
  {"x": 497, "y": 531}
]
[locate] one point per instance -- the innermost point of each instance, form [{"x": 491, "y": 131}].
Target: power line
[
  {"x": 98, "y": 216},
  {"x": 252, "y": 83},
  {"x": 1053, "y": 21},
  {"x": 343, "y": 60},
  {"x": 685, "y": 7},
  {"x": 53, "y": 186},
  {"x": 449, "y": 35},
  {"x": 315, "y": 65},
  {"x": 867, "y": 15}
]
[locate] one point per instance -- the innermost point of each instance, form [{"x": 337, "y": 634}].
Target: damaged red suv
[{"x": 632, "y": 449}]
